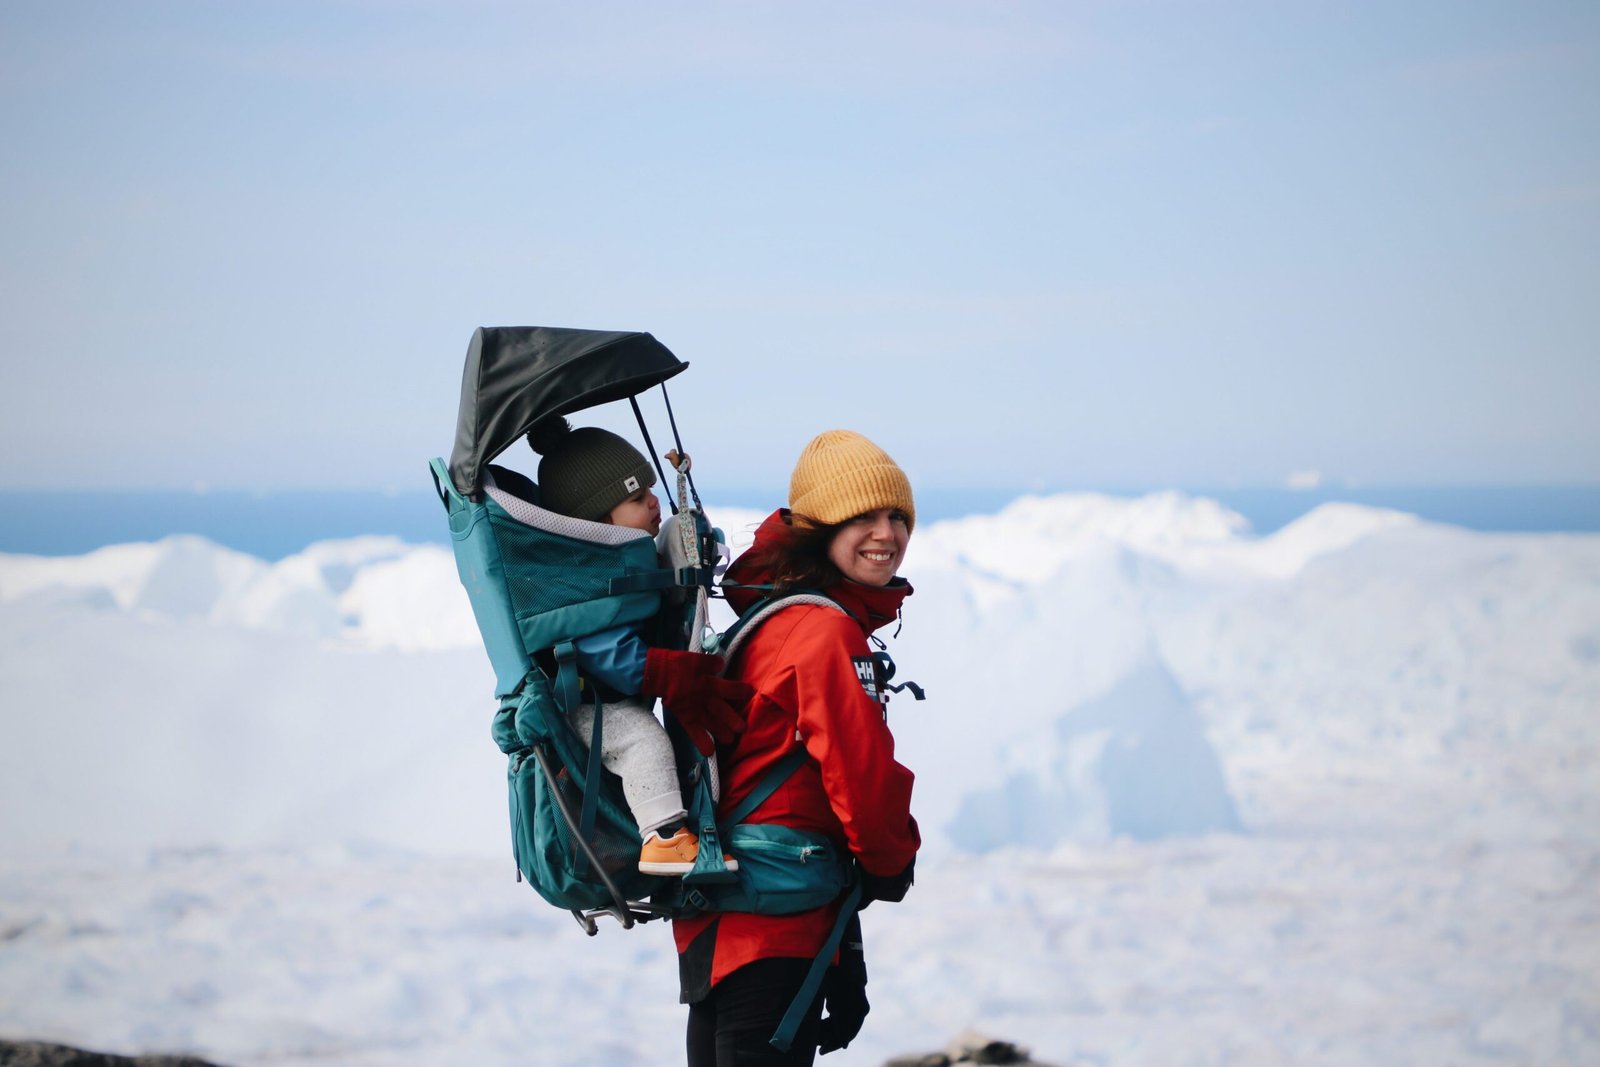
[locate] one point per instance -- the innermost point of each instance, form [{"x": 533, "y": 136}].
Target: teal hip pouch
[{"x": 782, "y": 870}]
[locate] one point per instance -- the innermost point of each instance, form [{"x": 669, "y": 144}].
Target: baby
[{"x": 592, "y": 474}]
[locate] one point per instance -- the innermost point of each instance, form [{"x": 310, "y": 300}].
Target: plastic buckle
[{"x": 710, "y": 864}]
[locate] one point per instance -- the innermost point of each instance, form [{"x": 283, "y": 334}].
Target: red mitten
[{"x": 691, "y": 686}]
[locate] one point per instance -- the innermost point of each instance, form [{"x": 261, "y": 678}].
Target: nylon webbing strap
[
  {"x": 440, "y": 476},
  {"x": 767, "y": 786},
  {"x": 664, "y": 578},
  {"x": 567, "y": 693},
  {"x": 784, "y": 1036},
  {"x": 591, "y": 793},
  {"x": 644, "y": 580}
]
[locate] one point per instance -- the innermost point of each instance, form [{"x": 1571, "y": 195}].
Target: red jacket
[{"x": 812, "y": 669}]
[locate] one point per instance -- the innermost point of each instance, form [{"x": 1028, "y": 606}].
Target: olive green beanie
[{"x": 585, "y": 472}]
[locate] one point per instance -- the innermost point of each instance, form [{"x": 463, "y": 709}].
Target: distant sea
[{"x": 277, "y": 524}]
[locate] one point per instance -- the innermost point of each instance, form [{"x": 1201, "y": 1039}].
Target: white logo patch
[
  {"x": 631, "y": 484},
  {"x": 869, "y": 672}
]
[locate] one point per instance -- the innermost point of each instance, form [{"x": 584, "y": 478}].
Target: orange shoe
[{"x": 672, "y": 855}]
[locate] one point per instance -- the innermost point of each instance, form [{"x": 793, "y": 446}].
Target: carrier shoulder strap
[
  {"x": 761, "y": 611},
  {"x": 783, "y": 1038},
  {"x": 732, "y": 639},
  {"x": 776, "y": 776}
]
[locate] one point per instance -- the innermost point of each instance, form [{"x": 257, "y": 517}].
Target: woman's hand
[
  {"x": 844, "y": 993},
  {"x": 708, "y": 706},
  {"x": 891, "y": 887}
]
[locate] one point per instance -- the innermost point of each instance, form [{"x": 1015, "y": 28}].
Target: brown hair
[{"x": 798, "y": 559}]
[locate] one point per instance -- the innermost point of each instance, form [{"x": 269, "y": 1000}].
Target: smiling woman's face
[{"x": 868, "y": 548}]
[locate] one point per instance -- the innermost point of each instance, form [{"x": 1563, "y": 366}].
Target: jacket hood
[{"x": 748, "y": 580}]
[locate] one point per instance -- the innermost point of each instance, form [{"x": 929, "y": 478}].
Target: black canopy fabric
[{"x": 517, "y": 375}]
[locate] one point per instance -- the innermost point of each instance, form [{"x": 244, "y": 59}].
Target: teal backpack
[
  {"x": 536, "y": 586},
  {"x": 538, "y": 582}
]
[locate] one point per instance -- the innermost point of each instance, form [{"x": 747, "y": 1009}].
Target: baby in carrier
[{"x": 592, "y": 474}]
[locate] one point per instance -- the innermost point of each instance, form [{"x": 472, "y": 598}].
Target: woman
[{"x": 817, "y": 685}]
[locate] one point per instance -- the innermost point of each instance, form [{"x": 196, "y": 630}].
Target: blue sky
[{"x": 1030, "y": 245}]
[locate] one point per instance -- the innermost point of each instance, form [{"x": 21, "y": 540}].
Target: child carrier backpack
[{"x": 538, "y": 581}]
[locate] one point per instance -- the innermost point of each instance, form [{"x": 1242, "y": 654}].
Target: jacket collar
[{"x": 872, "y": 606}]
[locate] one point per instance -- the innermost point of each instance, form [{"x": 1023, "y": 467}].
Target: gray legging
[{"x": 635, "y": 748}]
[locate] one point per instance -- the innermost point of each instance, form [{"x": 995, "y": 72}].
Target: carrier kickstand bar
[
  {"x": 637, "y": 911},
  {"x": 621, "y": 910}
]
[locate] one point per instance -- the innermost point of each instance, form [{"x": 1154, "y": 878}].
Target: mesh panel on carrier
[{"x": 545, "y": 571}]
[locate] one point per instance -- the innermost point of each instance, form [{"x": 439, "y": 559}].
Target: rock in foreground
[
  {"x": 44, "y": 1054},
  {"x": 969, "y": 1046}
]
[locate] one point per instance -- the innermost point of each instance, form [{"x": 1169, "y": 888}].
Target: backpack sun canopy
[{"x": 517, "y": 375}]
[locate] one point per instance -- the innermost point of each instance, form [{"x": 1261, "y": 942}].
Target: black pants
[{"x": 733, "y": 1026}]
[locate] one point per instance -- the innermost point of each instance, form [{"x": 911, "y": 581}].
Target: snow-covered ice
[{"x": 1190, "y": 796}]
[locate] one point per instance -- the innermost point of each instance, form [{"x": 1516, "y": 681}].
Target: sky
[{"x": 1040, "y": 245}]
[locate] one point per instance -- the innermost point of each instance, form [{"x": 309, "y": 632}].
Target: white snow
[
  {"x": 1190, "y": 796},
  {"x": 1134, "y": 762}
]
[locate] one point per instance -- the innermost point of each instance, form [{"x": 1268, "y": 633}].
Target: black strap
[{"x": 887, "y": 663}]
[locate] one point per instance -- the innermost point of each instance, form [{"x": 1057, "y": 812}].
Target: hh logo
[{"x": 869, "y": 672}]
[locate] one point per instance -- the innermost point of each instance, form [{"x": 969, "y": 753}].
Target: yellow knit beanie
[{"x": 841, "y": 475}]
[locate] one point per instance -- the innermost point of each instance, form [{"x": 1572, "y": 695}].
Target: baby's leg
[{"x": 634, "y": 746}]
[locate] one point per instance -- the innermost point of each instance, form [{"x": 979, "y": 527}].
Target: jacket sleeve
[
  {"x": 843, "y": 722},
  {"x": 614, "y": 658}
]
